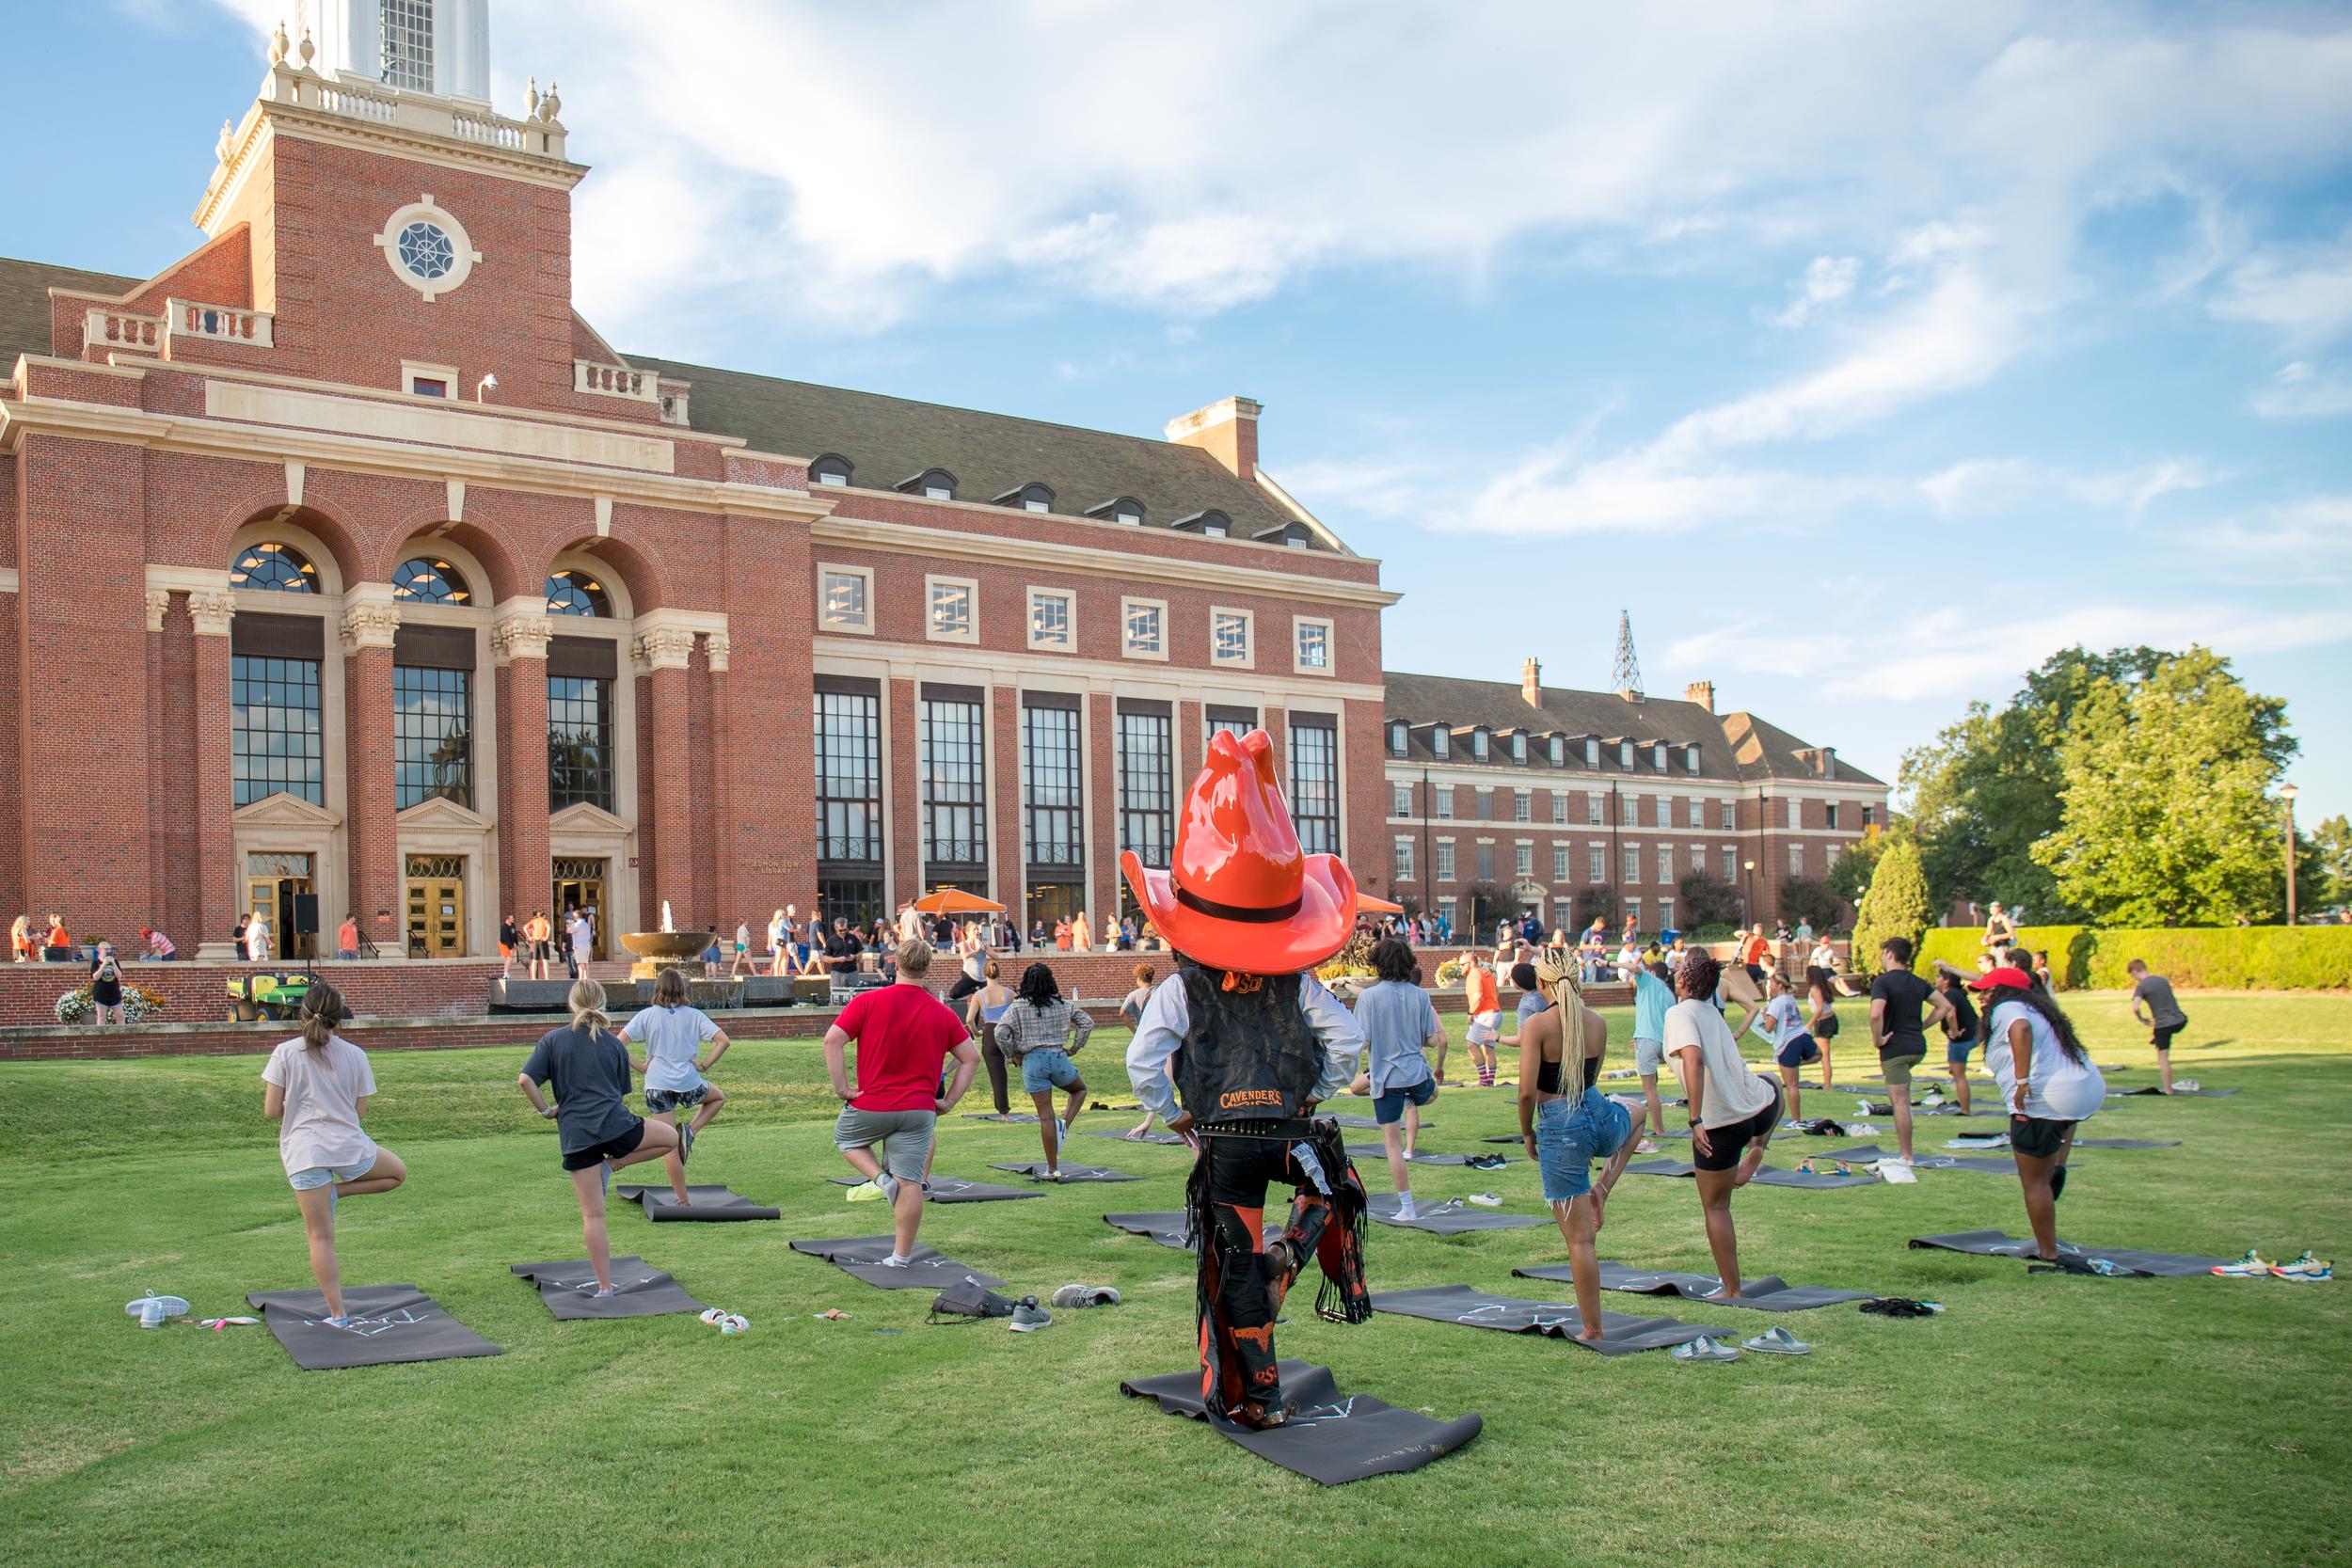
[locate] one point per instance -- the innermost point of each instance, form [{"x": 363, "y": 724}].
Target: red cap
[{"x": 2002, "y": 976}]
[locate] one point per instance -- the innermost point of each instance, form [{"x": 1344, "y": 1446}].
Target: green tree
[
  {"x": 2165, "y": 816},
  {"x": 1896, "y": 904},
  {"x": 1700, "y": 901},
  {"x": 2330, "y": 854},
  {"x": 1815, "y": 903},
  {"x": 1854, "y": 868}
]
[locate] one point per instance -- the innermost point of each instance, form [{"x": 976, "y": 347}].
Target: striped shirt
[{"x": 1056, "y": 1026}]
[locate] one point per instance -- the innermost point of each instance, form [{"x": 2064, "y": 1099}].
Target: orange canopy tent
[
  {"x": 1367, "y": 904},
  {"x": 954, "y": 900}
]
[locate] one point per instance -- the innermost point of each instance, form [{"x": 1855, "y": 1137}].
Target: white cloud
[
  {"x": 2302, "y": 390},
  {"x": 1828, "y": 280},
  {"x": 2303, "y": 292},
  {"x": 1986, "y": 486}
]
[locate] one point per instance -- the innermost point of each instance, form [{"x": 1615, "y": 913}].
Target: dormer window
[
  {"x": 1125, "y": 509},
  {"x": 1291, "y": 535},
  {"x": 1518, "y": 748},
  {"x": 1559, "y": 751},
  {"x": 1211, "y": 524},
  {"x": 1624, "y": 753},
  {"x": 1480, "y": 742},
  {"x": 830, "y": 470},
  {"x": 936, "y": 485},
  {"x": 1592, "y": 752},
  {"x": 1029, "y": 497},
  {"x": 1400, "y": 737},
  {"x": 1690, "y": 759},
  {"x": 1657, "y": 758},
  {"x": 1440, "y": 743}
]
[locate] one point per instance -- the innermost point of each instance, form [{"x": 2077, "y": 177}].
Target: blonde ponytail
[
  {"x": 587, "y": 1002},
  {"x": 322, "y": 1015}
]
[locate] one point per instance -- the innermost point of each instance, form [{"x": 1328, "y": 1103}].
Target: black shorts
[
  {"x": 611, "y": 1148},
  {"x": 1729, "y": 1143},
  {"x": 963, "y": 987},
  {"x": 2038, "y": 1136},
  {"x": 2162, "y": 1040},
  {"x": 543, "y": 949},
  {"x": 1824, "y": 1028}
]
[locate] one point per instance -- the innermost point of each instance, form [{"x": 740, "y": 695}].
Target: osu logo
[{"x": 1237, "y": 1099}]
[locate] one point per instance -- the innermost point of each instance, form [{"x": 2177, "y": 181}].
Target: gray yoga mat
[
  {"x": 1011, "y": 1118},
  {"x": 1477, "y": 1162},
  {"x": 388, "y": 1323},
  {"x": 1947, "y": 1109},
  {"x": 1770, "y": 1293},
  {"x": 862, "y": 1256},
  {"x": 708, "y": 1203},
  {"x": 1996, "y": 1243},
  {"x": 1165, "y": 1226},
  {"x": 2005, "y": 1165},
  {"x": 1453, "y": 1217},
  {"x": 639, "y": 1290},
  {"x": 1035, "y": 1170},
  {"x": 1512, "y": 1138},
  {"x": 1765, "y": 1176},
  {"x": 1662, "y": 1167},
  {"x": 1367, "y": 1124},
  {"x": 953, "y": 1189},
  {"x": 1622, "y": 1334},
  {"x": 1331, "y": 1437},
  {"x": 1151, "y": 1137}
]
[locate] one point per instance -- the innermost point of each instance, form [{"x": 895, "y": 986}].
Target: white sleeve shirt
[{"x": 1167, "y": 1018}]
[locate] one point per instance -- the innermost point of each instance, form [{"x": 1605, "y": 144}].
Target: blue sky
[{"x": 1865, "y": 354}]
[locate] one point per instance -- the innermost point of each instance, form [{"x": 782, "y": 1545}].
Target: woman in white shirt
[
  {"x": 1782, "y": 1028},
  {"x": 1733, "y": 1111},
  {"x": 2048, "y": 1083},
  {"x": 257, "y": 941},
  {"x": 318, "y": 1089},
  {"x": 673, "y": 1036}
]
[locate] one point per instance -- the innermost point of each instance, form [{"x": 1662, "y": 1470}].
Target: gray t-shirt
[
  {"x": 2164, "y": 1009},
  {"x": 1396, "y": 1019},
  {"x": 589, "y": 1072},
  {"x": 1530, "y": 1002}
]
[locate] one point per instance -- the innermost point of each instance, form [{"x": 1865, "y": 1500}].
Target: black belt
[{"x": 1285, "y": 1128}]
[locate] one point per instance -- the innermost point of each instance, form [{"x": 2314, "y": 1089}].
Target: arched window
[
  {"x": 1028, "y": 498},
  {"x": 831, "y": 468},
  {"x": 932, "y": 485},
  {"x": 428, "y": 581},
  {"x": 573, "y": 591},
  {"x": 274, "y": 569}
]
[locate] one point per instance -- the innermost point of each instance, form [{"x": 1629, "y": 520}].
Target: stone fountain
[{"x": 664, "y": 949}]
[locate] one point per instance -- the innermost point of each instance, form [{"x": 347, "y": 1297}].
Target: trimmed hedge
[{"x": 2240, "y": 957}]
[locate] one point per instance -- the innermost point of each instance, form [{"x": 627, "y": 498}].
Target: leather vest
[{"x": 1250, "y": 1055}]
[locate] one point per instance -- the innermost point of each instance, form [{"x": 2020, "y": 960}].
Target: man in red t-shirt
[{"x": 904, "y": 1034}]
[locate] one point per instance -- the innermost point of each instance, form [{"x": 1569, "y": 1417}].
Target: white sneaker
[
  {"x": 1487, "y": 1200},
  {"x": 1405, "y": 1207},
  {"x": 897, "y": 1261},
  {"x": 1086, "y": 1295}
]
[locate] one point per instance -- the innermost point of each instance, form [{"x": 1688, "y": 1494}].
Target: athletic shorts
[
  {"x": 1043, "y": 1072},
  {"x": 1959, "y": 1048},
  {"x": 320, "y": 1176},
  {"x": 1824, "y": 1028},
  {"x": 664, "y": 1101},
  {"x": 1570, "y": 1136},
  {"x": 1729, "y": 1143},
  {"x": 1896, "y": 1069},
  {"x": 1648, "y": 1056},
  {"x": 905, "y": 1137},
  {"x": 543, "y": 949},
  {"x": 1388, "y": 1107},
  {"x": 2162, "y": 1039},
  {"x": 611, "y": 1148},
  {"x": 1798, "y": 1051},
  {"x": 1482, "y": 1029},
  {"x": 2038, "y": 1136}
]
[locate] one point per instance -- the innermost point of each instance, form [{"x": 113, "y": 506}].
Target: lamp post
[
  {"x": 1751, "y": 910},
  {"x": 2287, "y": 794}
]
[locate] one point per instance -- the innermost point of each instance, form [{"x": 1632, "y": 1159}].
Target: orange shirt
[
  {"x": 347, "y": 937},
  {"x": 58, "y": 938},
  {"x": 1478, "y": 988}
]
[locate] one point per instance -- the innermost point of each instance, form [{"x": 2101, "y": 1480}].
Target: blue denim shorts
[
  {"x": 1570, "y": 1136},
  {"x": 1043, "y": 1072},
  {"x": 322, "y": 1176},
  {"x": 1388, "y": 1107}
]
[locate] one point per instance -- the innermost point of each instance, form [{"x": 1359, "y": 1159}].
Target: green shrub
[
  {"x": 2241, "y": 958},
  {"x": 1896, "y": 904}
]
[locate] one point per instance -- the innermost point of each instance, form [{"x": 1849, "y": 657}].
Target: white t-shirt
[
  {"x": 322, "y": 1090},
  {"x": 2061, "y": 1089},
  {"x": 1733, "y": 1092},
  {"x": 1779, "y": 1022},
  {"x": 672, "y": 1037}
]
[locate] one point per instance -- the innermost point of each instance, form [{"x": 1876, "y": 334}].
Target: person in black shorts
[
  {"x": 1898, "y": 998},
  {"x": 1960, "y": 1030},
  {"x": 1733, "y": 1110},
  {"x": 1822, "y": 992},
  {"x": 2161, "y": 1014}
]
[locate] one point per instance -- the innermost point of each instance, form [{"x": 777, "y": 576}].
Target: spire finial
[
  {"x": 531, "y": 100},
  {"x": 1627, "y": 674},
  {"x": 553, "y": 103},
  {"x": 306, "y": 49},
  {"x": 277, "y": 44}
]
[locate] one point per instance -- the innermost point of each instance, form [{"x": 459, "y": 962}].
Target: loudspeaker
[{"x": 306, "y": 914}]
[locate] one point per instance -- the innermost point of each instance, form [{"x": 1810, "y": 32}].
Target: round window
[{"x": 425, "y": 251}]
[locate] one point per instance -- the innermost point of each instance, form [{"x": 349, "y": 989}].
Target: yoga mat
[
  {"x": 1369, "y": 1125},
  {"x": 1662, "y": 1167},
  {"x": 1682, "y": 1133},
  {"x": 640, "y": 1289},
  {"x": 388, "y": 1323},
  {"x": 1034, "y": 1171},
  {"x": 1333, "y": 1438},
  {"x": 2184, "y": 1094},
  {"x": 862, "y": 1256},
  {"x": 1870, "y": 1153},
  {"x": 1479, "y": 1162},
  {"x": 1166, "y": 1228},
  {"x": 1947, "y": 1109},
  {"x": 710, "y": 1203},
  {"x": 991, "y": 1115},
  {"x": 1453, "y": 1217},
  {"x": 1147, "y": 1138},
  {"x": 953, "y": 1189},
  {"x": 1996, "y": 1243},
  {"x": 1771, "y": 1293},
  {"x": 1774, "y": 1175},
  {"x": 1621, "y": 1334}
]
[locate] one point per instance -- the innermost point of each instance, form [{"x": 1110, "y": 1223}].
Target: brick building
[
  {"x": 348, "y": 558},
  {"x": 1546, "y": 792}
]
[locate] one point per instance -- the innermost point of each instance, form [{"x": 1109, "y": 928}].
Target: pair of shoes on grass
[
  {"x": 1772, "y": 1341},
  {"x": 2305, "y": 1270}
]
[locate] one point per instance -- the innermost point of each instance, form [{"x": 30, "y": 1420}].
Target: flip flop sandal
[
  {"x": 1704, "y": 1348},
  {"x": 153, "y": 1310},
  {"x": 1777, "y": 1340}
]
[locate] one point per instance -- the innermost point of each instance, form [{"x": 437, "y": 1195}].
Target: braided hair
[{"x": 1038, "y": 985}]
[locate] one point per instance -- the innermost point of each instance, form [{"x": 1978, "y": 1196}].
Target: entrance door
[
  {"x": 271, "y": 882},
  {"x": 579, "y": 885},
  {"x": 436, "y": 906}
]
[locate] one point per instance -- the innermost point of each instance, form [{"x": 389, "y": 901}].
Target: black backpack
[{"x": 969, "y": 1301}]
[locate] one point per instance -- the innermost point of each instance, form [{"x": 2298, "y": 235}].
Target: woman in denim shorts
[
  {"x": 1566, "y": 1124},
  {"x": 1042, "y": 1030}
]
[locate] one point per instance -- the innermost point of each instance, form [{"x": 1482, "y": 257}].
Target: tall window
[
  {"x": 1632, "y": 870},
  {"x": 849, "y": 776},
  {"x": 1665, "y": 914},
  {"x": 1485, "y": 863},
  {"x": 1559, "y": 863},
  {"x": 432, "y": 736},
  {"x": 1522, "y": 806},
  {"x": 1595, "y": 863},
  {"x": 1445, "y": 860},
  {"x": 1315, "y": 786},
  {"x": 1443, "y": 795},
  {"x": 1693, "y": 810},
  {"x": 1832, "y": 808},
  {"x": 1400, "y": 736},
  {"x": 1666, "y": 865},
  {"x": 1796, "y": 811},
  {"x": 1559, "y": 808},
  {"x": 1522, "y": 860},
  {"x": 277, "y": 740},
  {"x": 1054, "y": 806},
  {"x": 407, "y": 45},
  {"x": 580, "y": 742},
  {"x": 1404, "y": 860},
  {"x": 1728, "y": 858},
  {"x": 954, "y": 788},
  {"x": 1146, "y": 788},
  {"x": 1403, "y": 797},
  {"x": 1796, "y": 858},
  {"x": 1592, "y": 809},
  {"x": 1591, "y": 753},
  {"x": 1629, "y": 810},
  {"x": 1726, "y": 815}
]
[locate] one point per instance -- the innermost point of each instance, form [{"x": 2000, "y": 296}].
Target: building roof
[
  {"x": 25, "y": 302},
  {"x": 888, "y": 439},
  {"x": 1731, "y": 746}
]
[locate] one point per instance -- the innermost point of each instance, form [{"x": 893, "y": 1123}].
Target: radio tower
[{"x": 1627, "y": 674}]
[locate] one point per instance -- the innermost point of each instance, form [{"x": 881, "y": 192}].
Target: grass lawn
[{"x": 2040, "y": 1421}]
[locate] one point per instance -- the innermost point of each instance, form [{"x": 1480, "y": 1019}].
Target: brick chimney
[
  {"x": 1701, "y": 692},
  {"x": 1226, "y": 430},
  {"x": 1532, "y": 682}
]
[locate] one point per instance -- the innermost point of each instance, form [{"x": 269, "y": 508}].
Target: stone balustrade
[
  {"x": 225, "y": 323},
  {"x": 538, "y": 134},
  {"x": 108, "y": 330},
  {"x": 615, "y": 381}
]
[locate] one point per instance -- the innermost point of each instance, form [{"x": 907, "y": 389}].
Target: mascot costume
[{"x": 1249, "y": 1041}]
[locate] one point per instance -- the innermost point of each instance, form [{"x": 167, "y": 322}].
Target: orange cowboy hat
[{"x": 1242, "y": 895}]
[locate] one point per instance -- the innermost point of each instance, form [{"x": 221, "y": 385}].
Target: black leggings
[{"x": 993, "y": 1058}]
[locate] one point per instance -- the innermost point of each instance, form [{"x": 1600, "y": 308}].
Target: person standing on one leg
[
  {"x": 673, "y": 1036},
  {"x": 2047, "y": 1081},
  {"x": 1653, "y": 993},
  {"x": 318, "y": 1089},
  {"x": 1399, "y": 1025},
  {"x": 1733, "y": 1111},
  {"x": 2161, "y": 1014},
  {"x": 905, "y": 1036},
  {"x": 981, "y": 1011},
  {"x": 1485, "y": 1011},
  {"x": 1130, "y": 1010},
  {"x": 1565, "y": 1123},
  {"x": 1529, "y": 1002},
  {"x": 587, "y": 1066},
  {"x": 1823, "y": 1026},
  {"x": 1041, "y": 1032},
  {"x": 1782, "y": 1026},
  {"x": 1896, "y": 997},
  {"x": 1960, "y": 1030}
]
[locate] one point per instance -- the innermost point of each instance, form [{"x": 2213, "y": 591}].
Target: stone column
[
  {"x": 1101, "y": 810},
  {"x": 375, "y": 881},
  {"x": 1009, "y": 849},
  {"x": 218, "y": 874},
  {"x": 665, "y": 787},
  {"x": 905, "y": 818},
  {"x": 735, "y": 902},
  {"x": 519, "y": 650}
]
